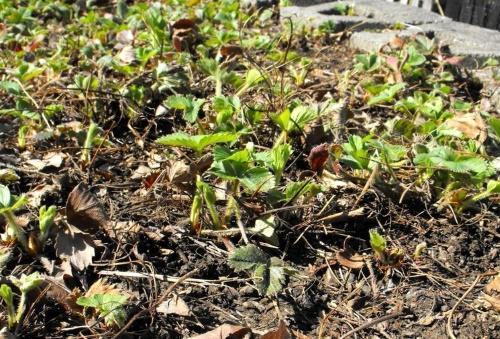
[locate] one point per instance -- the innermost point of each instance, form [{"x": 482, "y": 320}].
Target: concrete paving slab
[{"x": 475, "y": 44}]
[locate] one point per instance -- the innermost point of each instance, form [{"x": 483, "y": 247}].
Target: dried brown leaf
[
  {"x": 350, "y": 260},
  {"x": 493, "y": 301},
  {"x": 101, "y": 286},
  {"x": 397, "y": 42},
  {"x": 226, "y": 331},
  {"x": 494, "y": 285},
  {"x": 75, "y": 246},
  {"x": 471, "y": 125},
  {"x": 84, "y": 210},
  {"x": 230, "y": 50},
  {"x": 281, "y": 332},
  {"x": 318, "y": 156},
  {"x": 51, "y": 159},
  {"x": 64, "y": 296},
  {"x": 184, "y": 24},
  {"x": 174, "y": 305}
]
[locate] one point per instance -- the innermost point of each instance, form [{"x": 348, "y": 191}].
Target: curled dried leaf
[
  {"x": 318, "y": 156},
  {"x": 349, "y": 259},
  {"x": 225, "y": 331},
  {"x": 84, "y": 210},
  {"x": 229, "y": 51}
]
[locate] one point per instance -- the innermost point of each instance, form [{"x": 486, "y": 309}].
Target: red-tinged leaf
[
  {"x": 150, "y": 180},
  {"x": 230, "y": 50},
  {"x": 318, "y": 157},
  {"x": 281, "y": 332},
  {"x": 184, "y": 24},
  {"x": 177, "y": 43},
  {"x": 226, "y": 331}
]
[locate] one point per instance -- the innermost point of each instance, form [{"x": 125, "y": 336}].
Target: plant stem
[
  {"x": 13, "y": 229},
  {"x": 21, "y": 307},
  {"x": 281, "y": 138}
]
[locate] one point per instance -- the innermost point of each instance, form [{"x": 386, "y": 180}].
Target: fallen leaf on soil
[
  {"x": 493, "y": 285},
  {"x": 174, "y": 305},
  {"x": 75, "y": 246},
  {"x": 49, "y": 160},
  {"x": 226, "y": 331},
  {"x": 179, "y": 172},
  {"x": 141, "y": 172},
  {"x": 318, "y": 156},
  {"x": 470, "y": 124},
  {"x": 493, "y": 301},
  {"x": 125, "y": 229},
  {"x": 55, "y": 270},
  {"x": 125, "y": 37},
  {"x": 84, "y": 211},
  {"x": 230, "y": 50},
  {"x": 281, "y": 332},
  {"x": 127, "y": 55},
  {"x": 183, "y": 34},
  {"x": 101, "y": 286},
  {"x": 64, "y": 296},
  {"x": 349, "y": 259},
  {"x": 397, "y": 42},
  {"x": 36, "y": 195}
]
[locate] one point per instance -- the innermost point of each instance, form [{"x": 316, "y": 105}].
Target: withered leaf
[
  {"x": 230, "y": 50},
  {"x": 101, "y": 286},
  {"x": 397, "y": 42},
  {"x": 493, "y": 301},
  {"x": 350, "y": 260},
  {"x": 281, "y": 332},
  {"x": 65, "y": 297},
  {"x": 84, "y": 210},
  {"x": 174, "y": 305},
  {"x": 471, "y": 125},
  {"x": 493, "y": 285},
  {"x": 183, "y": 24},
  {"x": 75, "y": 246},
  {"x": 226, "y": 331},
  {"x": 318, "y": 156}
]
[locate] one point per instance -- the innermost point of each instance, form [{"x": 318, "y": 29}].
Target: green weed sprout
[
  {"x": 45, "y": 221},
  {"x": 6, "y": 295},
  {"x": 25, "y": 284},
  {"x": 8, "y": 204},
  {"x": 89, "y": 141}
]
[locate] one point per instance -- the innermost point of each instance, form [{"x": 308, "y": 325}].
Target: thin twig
[
  {"x": 449, "y": 328},
  {"x": 371, "y": 323}
]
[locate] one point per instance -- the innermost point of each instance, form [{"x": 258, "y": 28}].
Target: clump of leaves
[
  {"x": 189, "y": 106},
  {"x": 196, "y": 142},
  {"x": 386, "y": 257},
  {"x": 269, "y": 273}
]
